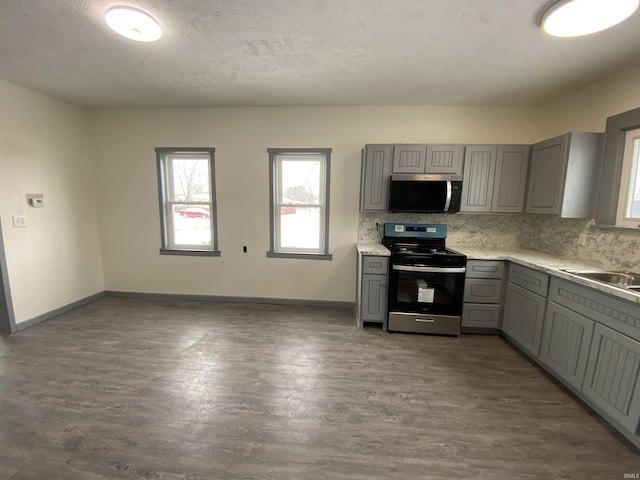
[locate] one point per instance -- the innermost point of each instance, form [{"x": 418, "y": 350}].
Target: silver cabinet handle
[{"x": 425, "y": 320}]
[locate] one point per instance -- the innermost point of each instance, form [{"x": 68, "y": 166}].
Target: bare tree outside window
[{"x": 191, "y": 179}]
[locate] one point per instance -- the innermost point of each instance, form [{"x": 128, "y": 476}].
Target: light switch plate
[{"x": 19, "y": 221}]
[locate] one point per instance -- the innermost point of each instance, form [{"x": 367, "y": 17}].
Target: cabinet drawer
[
  {"x": 485, "y": 269},
  {"x": 480, "y": 315},
  {"x": 375, "y": 265},
  {"x": 482, "y": 290},
  {"x": 416, "y": 323},
  {"x": 533, "y": 280}
]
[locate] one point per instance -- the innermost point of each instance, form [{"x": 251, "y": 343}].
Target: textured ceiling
[{"x": 304, "y": 52}]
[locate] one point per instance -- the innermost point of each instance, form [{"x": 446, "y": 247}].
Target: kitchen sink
[{"x": 628, "y": 280}]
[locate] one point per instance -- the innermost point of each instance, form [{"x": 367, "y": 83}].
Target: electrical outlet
[
  {"x": 19, "y": 221},
  {"x": 582, "y": 239}
]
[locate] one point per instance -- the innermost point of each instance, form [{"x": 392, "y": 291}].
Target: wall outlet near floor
[
  {"x": 19, "y": 221},
  {"x": 582, "y": 239}
]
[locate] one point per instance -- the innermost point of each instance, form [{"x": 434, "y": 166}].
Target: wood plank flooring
[{"x": 137, "y": 389}]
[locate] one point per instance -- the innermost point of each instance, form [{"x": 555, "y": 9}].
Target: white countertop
[
  {"x": 374, "y": 249},
  {"x": 551, "y": 264}
]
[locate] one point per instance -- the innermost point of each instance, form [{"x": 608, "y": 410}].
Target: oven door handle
[{"x": 411, "y": 268}]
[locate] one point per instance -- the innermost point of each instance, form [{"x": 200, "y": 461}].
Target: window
[
  {"x": 618, "y": 202},
  {"x": 299, "y": 202},
  {"x": 629, "y": 202},
  {"x": 186, "y": 184}
]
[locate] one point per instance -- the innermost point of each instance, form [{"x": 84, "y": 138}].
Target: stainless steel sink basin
[{"x": 627, "y": 280}]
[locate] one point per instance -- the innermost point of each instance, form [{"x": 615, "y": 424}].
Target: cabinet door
[
  {"x": 373, "y": 306},
  {"x": 445, "y": 159},
  {"x": 523, "y": 318},
  {"x": 409, "y": 158},
  {"x": 374, "y": 183},
  {"x": 566, "y": 338},
  {"x": 547, "y": 175},
  {"x": 479, "y": 172},
  {"x": 511, "y": 179},
  {"x": 612, "y": 378}
]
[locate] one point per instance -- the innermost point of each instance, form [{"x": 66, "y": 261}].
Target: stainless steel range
[{"x": 426, "y": 280}]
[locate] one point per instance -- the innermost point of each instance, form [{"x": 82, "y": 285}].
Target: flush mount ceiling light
[
  {"x": 133, "y": 24},
  {"x": 573, "y": 18}
]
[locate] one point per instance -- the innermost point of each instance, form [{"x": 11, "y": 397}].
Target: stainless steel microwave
[{"x": 425, "y": 193}]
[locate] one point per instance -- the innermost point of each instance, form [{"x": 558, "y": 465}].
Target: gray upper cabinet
[
  {"x": 563, "y": 174},
  {"x": 409, "y": 158},
  {"x": 444, "y": 159},
  {"x": 374, "y": 181},
  {"x": 510, "y": 182},
  {"x": 495, "y": 178},
  {"x": 479, "y": 173}
]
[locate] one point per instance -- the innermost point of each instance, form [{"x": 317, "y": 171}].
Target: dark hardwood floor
[{"x": 137, "y": 389}]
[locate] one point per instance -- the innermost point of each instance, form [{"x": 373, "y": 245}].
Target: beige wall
[
  {"x": 44, "y": 148},
  {"x": 587, "y": 109},
  {"x": 130, "y": 231}
]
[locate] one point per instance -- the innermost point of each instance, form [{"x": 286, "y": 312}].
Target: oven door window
[{"x": 426, "y": 292}]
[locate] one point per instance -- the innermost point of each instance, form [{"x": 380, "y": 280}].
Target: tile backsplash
[{"x": 611, "y": 248}]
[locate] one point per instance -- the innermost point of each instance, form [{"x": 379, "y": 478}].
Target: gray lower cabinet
[
  {"x": 374, "y": 180},
  {"x": 566, "y": 339},
  {"x": 525, "y": 301},
  {"x": 612, "y": 380},
  {"x": 495, "y": 178},
  {"x": 563, "y": 175},
  {"x": 591, "y": 343},
  {"x": 371, "y": 295},
  {"x": 482, "y": 296}
]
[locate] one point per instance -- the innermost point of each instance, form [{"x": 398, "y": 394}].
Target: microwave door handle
[
  {"x": 447, "y": 203},
  {"x": 415, "y": 268}
]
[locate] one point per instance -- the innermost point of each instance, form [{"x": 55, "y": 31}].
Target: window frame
[
  {"x": 274, "y": 181},
  {"x": 612, "y": 168},
  {"x": 163, "y": 156},
  {"x": 629, "y": 167}
]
